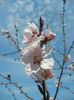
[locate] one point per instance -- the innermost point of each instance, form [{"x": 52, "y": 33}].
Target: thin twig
[
  {"x": 63, "y": 28},
  {"x": 56, "y": 59},
  {"x": 57, "y": 50},
  {"x": 67, "y": 89},
  {"x": 10, "y": 53},
  {"x": 62, "y": 68},
  {"x": 14, "y": 41},
  {"x": 70, "y": 48},
  {"x": 6, "y": 86},
  {"x": 44, "y": 95},
  {"x": 25, "y": 94}
]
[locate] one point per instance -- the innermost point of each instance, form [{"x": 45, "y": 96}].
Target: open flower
[
  {"x": 49, "y": 35},
  {"x": 42, "y": 74},
  {"x": 37, "y": 58},
  {"x": 30, "y": 33},
  {"x": 33, "y": 28}
]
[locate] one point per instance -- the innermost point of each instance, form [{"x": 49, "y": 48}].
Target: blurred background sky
[{"x": 20, "y": 12}]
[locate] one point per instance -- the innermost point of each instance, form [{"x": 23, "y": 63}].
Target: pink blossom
[
  {"x": 49, "y": 35},
  {"x": 33, "y": 28},
  {"x": 30, "y": 33},
  {"x": 44, "y": 74},
  {"x": 32, "y": 56},
  {"x": 28, "y": 36},
  {"x": 4, "y": 31},
  {"x": 36, "y": 57}
]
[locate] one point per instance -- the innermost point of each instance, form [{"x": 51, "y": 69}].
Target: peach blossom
[
  {"x": 42, "y": 74},
  {"x": 49, "y": 35},
  {"x": 37, "y": 57}
]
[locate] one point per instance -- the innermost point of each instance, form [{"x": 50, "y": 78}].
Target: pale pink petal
[
  {"x": 36, "y": 51},
  {"x": 46, "y": 51},
  {"x": 44, "y": 74},
  {"x": 49, "y": 35},
  {"x": 32, "y": 27},
  {"x": 30, "y": 33},
  {"x": 32, "y": 55},
  {"x": 35, "y": 67},
  {"x": 47, "y": 63},
  {"x": 26, "y": 59}
]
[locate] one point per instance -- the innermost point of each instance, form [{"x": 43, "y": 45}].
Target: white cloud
[
  {"x": 20, "y": 2},
  {"x": 29, "y": 7},
  {"x": 47, "y": 1},
  {"x": 12, "y": 10}
]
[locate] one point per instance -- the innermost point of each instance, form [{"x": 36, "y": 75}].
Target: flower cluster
[{"x": 35, "y": 56}]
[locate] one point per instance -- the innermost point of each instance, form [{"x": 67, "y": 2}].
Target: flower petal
[
  {"x": 46, "y": 51},
  {"x": 35, "y": 67},
  {"x": 47, "y": 63}
]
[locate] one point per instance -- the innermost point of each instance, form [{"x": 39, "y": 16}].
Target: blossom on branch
[
  {"x": 30, "y": 33},
  {"x": 36, "y": 57},
  {"x": 49, "y": 35},
  {"x": 43, "y": 74},
  {"x": 33, "y": 28}
]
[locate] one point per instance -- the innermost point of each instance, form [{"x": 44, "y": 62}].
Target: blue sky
[{"x": 20, "y": 12}]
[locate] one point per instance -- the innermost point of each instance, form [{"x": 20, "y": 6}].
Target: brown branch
[
  {"x": 44, "y": 90},
  {"x": 63, "y": 28},
  {"x": 16, "y": 34},
  {"x": 56, "y": 59},
  {"x": 16, "y": 85},
  {"x": 70, "y": 47},
  {"x": 62, "y": 68},
  {"x": 41, "y": 22},
  {"x": 11, "y": 92},
  {"x": 15, "y": 44},
  {"x": 67, "y": 89},
  {"x": 57, "y": 50},
  {"x": 10, "y": 53}
]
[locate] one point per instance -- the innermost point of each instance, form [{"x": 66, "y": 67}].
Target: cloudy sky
[{"x": 20, "y": 12}]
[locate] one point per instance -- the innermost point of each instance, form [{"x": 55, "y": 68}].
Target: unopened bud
[{"x": 67, "y": 58}]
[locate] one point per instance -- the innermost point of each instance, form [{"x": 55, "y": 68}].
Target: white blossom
[
  {"x": 36, "y": 57},
  {"x": 30, "y": 33}
]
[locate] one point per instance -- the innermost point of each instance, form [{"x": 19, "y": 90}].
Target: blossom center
[
  {"x": 45, "y": 75},
  {"x": 34, "y": 31},
  {"x": 37, "y": 59}
]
